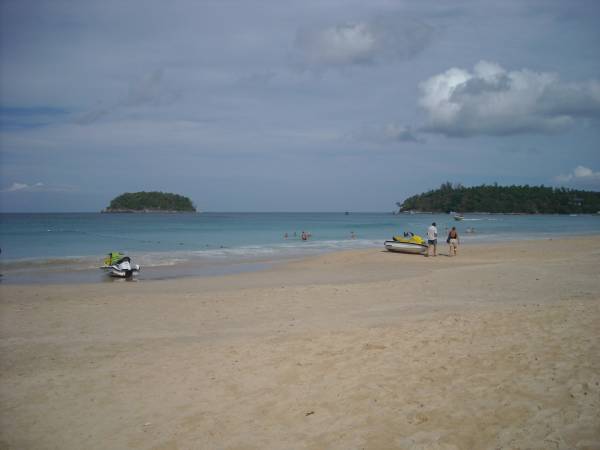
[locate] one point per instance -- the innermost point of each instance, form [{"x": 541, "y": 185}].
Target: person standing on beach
[
  {"x": 432, "y": 233},
  {"x": 452, "y": 241}
]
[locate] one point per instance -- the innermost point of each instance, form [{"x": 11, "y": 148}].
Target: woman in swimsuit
[{"x": 452, "y": 241}]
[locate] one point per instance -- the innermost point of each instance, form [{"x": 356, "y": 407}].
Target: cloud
[
  {"x": 36, "y": 187},
  {"x": 493, "y": 101},
  {"x": 352, "y": 43},
  {"x": 389, "y": 133},
  {"x": 148, "y": 91},
  {"x": 580, "y": 175},
  {"x": 362, "y": 42},
  {"x": 16, "y": 186},
  {"x": 399, "y": 133}
]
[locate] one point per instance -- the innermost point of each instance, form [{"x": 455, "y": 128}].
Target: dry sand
[{"x": 497, "y": 348}]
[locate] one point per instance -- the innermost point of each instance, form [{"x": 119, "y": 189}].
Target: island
[
  {"x": 503, "y": 199},
  {"x": 150, "y": 202}
]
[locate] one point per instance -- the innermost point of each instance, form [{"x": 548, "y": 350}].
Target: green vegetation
[
  {"x": 150, "y": 202},
  {"x": 504, "y": 199}
]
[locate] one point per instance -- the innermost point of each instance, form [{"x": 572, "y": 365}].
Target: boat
[
  {"x": 118, "y": 265},
  {"x": 409, "y": 243},
  {"x": 458, "y": 217}
]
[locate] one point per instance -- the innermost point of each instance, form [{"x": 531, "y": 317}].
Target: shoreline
[
  {"x": 80, "y": 241},
  {"x": 68, "y": 270},
  {"x": 496, "y": 348}
]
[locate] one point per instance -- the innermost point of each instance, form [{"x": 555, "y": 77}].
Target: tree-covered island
[
  {"x": 139, "y": 202},
  {"x": 503, "y": 199}
]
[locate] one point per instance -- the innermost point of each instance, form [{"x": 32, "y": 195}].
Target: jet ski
[
  {"x": 409, "y": 243},
  {"x": 119, "y": 265}
]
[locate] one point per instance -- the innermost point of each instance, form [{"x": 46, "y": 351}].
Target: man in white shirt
[{"x": 432, "y": 239}]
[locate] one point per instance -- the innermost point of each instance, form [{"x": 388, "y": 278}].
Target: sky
[{"x": 280, "y": 105}]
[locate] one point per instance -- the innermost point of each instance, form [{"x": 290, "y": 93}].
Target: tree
[
  {"x": 504, "y": 199},
  {"x": 151, "y": 201}
]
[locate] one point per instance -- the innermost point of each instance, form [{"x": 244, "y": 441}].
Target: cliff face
[{"x": 150, "y": 202}]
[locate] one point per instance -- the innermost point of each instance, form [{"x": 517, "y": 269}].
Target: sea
[{"x": 70, "y": 247}]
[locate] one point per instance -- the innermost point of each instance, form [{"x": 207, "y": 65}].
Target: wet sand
[{"x": 497, "y": 348}]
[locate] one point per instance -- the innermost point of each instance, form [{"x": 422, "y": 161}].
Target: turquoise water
[{"x": 218, "y": 240}]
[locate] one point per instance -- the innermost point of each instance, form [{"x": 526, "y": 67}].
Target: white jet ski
[
  {"x": 410, "y": 243},
  {"x": 119, "y": 265}
]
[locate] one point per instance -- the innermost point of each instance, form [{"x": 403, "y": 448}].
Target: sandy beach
[{"x": 497, "y": 348}]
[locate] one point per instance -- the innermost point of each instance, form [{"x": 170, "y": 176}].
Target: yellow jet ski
[
  {"x": 409, "y": 243},
  {"x": 118, "y": 265}
]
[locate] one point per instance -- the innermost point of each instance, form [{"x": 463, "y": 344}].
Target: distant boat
[{"x": 458, "y": 217}]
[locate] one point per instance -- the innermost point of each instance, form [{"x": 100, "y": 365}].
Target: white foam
[{"x": 252, "y": 252}]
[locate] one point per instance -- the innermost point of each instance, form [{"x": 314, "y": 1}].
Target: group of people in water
[{"x": 306, "y": 235}]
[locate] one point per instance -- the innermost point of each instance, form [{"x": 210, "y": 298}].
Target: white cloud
[
  {"x": 400, "y": 133},
  {"x": 36, "y": 187},
  {"x": 493, "y": 101},
  {"x": 342, "y": 44},
  {"x": 16, "y": 186},
  {"x": 362, "y": 42},
  {"x": 389, "y": 133},
  {"x": 580, "y": 174}
]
